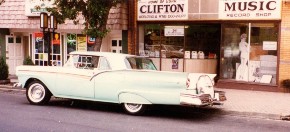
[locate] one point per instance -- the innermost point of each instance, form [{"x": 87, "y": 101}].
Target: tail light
[{"x": 187, "y": 83}]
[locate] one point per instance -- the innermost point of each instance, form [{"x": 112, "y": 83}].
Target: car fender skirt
[{"x": 132, "y": 98}]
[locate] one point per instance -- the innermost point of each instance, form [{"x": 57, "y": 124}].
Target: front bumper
[{"x": 203, "y": 99}]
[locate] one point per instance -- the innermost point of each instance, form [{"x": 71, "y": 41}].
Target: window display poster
[
  {"x": 71, "y": 42},
  {"x": 174, "y": 31},
  {"x": 175, "y": 63},
  {"x": 38, "y": 37},
  {"x": 269, "y": 45},
  {"x": 91, "y": 40},
  {"x": 56, "y": 39},
  {"x": 82, "y": 43}
]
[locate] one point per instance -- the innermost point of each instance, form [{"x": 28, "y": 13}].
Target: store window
[
  {"x": 249, "y": 52},
  {"x": 79, "y": 42},
  {"x": 203, "y": 39},
  {"x": 71, "y": 43},
  {"x": 182, "y": 48},
  {"x": 164, "y": 45},
  {"x": 56, "y": 50},
  {"x": 41, "y": 49},
  {"x": 116, "y": 46},
  {"x": 164, "y": 41}
]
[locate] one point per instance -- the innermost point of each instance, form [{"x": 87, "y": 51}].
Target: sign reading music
[{"x": 250, "y": 9}]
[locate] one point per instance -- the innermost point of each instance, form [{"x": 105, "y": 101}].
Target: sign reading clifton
[
  {"x": 162, "y": 9},
  {"x": 249, "y": 9}
]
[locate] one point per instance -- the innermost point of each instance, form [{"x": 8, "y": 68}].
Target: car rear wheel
[
  {"x": 37, "y": 93},
  {"x": 134, "y": 109}
]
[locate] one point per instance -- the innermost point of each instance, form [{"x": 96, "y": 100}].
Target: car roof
[{"x": 116, "y": 60}]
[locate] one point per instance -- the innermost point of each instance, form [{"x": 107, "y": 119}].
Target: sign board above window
[
  {"x": 174, "y": 31},
  {"x": 162, "y": 10},
  {"x": 35, "y": 7},
  {"x": 250, "y": 9}
]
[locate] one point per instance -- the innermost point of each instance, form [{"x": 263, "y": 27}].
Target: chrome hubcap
[
  {"x": 133, "y": 107},
  {"x": 36, "y": 92}
]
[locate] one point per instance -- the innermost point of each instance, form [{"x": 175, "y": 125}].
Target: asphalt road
[{"x": 17, "y": 115}]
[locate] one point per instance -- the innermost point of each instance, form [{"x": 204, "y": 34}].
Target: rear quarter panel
[
  {"x": 154, "y": 86},
  {"x": 157, "y": 87}
]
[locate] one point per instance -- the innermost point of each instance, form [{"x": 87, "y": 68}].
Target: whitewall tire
[
  {"x": 134, "y": 109},
  {"x": 37, "y": 93}
]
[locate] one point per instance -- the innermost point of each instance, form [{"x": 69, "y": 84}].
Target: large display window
[
  {"x": 78, "y": 42},
  {"x": 249, "y": 52},
  {"x": 182, "y": 48},
  {"x": 41, "y": 49}
]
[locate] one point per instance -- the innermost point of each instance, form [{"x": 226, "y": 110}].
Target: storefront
[
  {"x": 238, "y": 40},
  {"x": 21, "y": 35}
]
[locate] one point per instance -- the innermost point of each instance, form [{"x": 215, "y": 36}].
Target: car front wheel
[
  {"x": 134, "y": 109},
  {"x": 37, "y": 93}
]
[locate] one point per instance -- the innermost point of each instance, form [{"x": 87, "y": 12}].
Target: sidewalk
[
  {"x": 260, "y": 104},
  {"x": 257, "y": 104}
]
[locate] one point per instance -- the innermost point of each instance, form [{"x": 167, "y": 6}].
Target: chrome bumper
[
  {"x": 16, "y": 85},
  {"x": 203, "y": 99}
]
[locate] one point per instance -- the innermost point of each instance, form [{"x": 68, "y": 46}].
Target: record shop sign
[
  {"x": 250, "y": 9},
  {"x": 162, "y": 10}
]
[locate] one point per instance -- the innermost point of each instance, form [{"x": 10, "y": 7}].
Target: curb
[
  {"x": 253, "y": 115},
  {"x": 11, "y": 88}
]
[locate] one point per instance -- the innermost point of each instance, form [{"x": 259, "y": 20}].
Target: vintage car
[
  {"x": 129, "y": 80},
  {"x": 168, "y": 51}
]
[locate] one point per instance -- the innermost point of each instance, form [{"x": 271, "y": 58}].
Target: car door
[
  {"x": 108, "y": 82},
  {"x": 74, "y": 80}
]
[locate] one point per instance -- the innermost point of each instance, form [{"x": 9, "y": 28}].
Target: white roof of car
[{"x": 116, "y": 60}]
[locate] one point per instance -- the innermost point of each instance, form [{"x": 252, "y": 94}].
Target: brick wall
[
  {"x": 132, "y": 27},
  {"x": 284, "y": 60}
]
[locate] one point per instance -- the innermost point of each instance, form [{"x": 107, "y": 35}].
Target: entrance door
[
  {"x": 116, "y": 46},
  {"x": 14, "y": 52},
  {"x": 233, "y": 38}
]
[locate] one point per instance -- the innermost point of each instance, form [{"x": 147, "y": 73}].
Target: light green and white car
[{"x": 129, "y": 80}]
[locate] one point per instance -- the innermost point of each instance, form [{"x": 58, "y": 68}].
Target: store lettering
[
  {"x": 162, "y": 16},
  {"x": 162, "y": 8},
  {"x": 251, "y": 6},
  {"x": 239, "y": 15},
  {"x": 248, "y": 14}
]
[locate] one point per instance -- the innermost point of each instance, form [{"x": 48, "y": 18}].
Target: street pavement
[{"x": 256, "y": 104}]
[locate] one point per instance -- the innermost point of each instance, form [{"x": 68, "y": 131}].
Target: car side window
[
  {"x": 95, "y": 61},
  {"x": 85, "y": 62},
  {"x": 104, "y": 64}
]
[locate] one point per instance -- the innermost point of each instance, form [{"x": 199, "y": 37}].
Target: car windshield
[
  {"x": 170, "y": 48},
  {"x": 140, "y": 63}
]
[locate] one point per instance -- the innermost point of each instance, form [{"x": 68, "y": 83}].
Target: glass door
[
  {"x": 249, "y": 52},
  {"x": 234, "y": 51}
]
